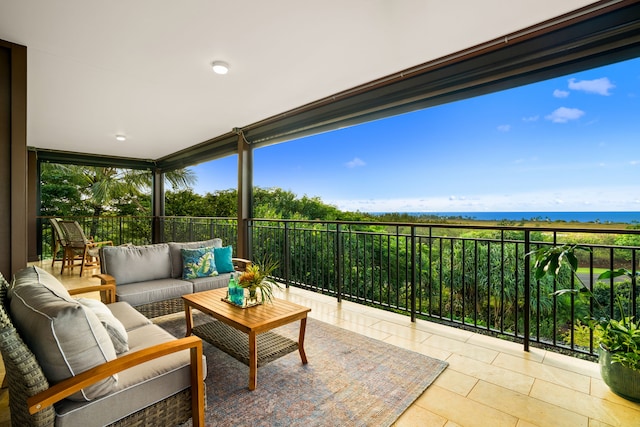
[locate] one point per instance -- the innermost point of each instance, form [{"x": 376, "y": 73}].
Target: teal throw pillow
[
  {"x": 198, "y": 262},
  {"x": 223, "y": 259}
]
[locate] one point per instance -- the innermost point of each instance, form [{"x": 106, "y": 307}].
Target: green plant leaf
[
  {"x": 616, "y": 273},
  {"x": 565, "y": 291}
]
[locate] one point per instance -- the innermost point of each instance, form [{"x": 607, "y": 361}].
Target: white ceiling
[{"x": 142, "y": 67}]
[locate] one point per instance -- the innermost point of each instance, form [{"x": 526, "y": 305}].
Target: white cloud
[
  {"x": 504, "y": 128},
  {"x": 569, "y": 200},
  {"x": 597, "y": 86},
  {"x": 356, "y": 162},
  {"x": 634, "y": 162},
  {"x": 560, "y": 93},
  {"x": 530, "y": 119},
  {"x": 564, "y": 114}
]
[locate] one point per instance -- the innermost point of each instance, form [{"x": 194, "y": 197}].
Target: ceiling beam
[{"x": 67, "y": 157}]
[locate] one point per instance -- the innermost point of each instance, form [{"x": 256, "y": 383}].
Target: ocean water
[{"x": 592, "y": 217}]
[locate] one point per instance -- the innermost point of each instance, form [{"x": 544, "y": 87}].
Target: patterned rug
[{"x": 350, "y": 380}]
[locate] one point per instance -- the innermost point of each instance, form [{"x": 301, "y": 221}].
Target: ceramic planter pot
[{"x": 624, "y": 382}]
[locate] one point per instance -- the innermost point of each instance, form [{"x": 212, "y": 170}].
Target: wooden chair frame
[{"x": 78, "y": 247}]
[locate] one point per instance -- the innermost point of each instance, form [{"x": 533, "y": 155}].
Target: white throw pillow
[{"x": 114, "y": 327}]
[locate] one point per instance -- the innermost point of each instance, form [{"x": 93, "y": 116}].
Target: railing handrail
[{"x": 591, "y": 230}]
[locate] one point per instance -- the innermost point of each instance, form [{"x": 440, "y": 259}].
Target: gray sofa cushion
[
  {"x": 132, "y": 264},
  {"x": 138, "y": 387},
  {"x": 131, "y": 319},
  {"x": 207, "y": 283},
  {"x": 32, "y": 275},
  {"x": 66, "y": 338},
  {"x": 153, "y": 291},
  {"x": 176, "y": 255}
]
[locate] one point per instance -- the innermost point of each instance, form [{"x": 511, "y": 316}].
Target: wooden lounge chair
[{"x": 77, "y": 246}]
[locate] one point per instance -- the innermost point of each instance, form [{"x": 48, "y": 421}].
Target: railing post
[
  {"x": 287, "y": 255},
  {"x": 527, "y": 288},
  {"x": 413, "y": 274},
  {"x": 338, "y": 265},
  {"x": 634, "y": 292}
]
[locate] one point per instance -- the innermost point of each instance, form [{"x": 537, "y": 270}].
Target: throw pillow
[
  {"x": 114, "y": 327},
  {"x": 198, "y": 263},
  {"x": 224, "y": 264},
  {"x": 176, "y": 255}
]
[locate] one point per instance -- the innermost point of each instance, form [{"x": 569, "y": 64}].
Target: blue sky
[{"x": 566, "y": 144}]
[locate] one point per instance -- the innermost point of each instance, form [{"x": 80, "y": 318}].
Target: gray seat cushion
[
  {"x": 131, "y": 319},
  {"x": 153, "y": 291},
  {"x": 137, "y": 388},
  {"x": 207, "y": 283}
]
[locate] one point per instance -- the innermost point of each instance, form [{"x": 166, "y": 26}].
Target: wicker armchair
[
  {"x": 31, "y": 397},
  {"x": 76, "y": 246}
]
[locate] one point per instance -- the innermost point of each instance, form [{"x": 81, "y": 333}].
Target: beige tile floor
[{"x": 489, "y": 382}]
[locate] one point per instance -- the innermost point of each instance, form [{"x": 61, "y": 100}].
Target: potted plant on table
[
  {"x": 256, "y": 279},
  {"x": 619, "y": 340}
]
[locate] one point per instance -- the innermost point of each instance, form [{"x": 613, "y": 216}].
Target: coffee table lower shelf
[{"x": 235, "y": 343}]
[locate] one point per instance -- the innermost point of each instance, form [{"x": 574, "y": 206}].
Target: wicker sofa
[
  {"x": 63, "y": 367},
  {"x": 150, "y": 277}
]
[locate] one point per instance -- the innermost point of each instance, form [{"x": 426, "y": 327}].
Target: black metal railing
[
  {"x": 137, "y": 230},
  {"x": 475, "y": 277},
  {"x": 190, "y": 229},
  {"x": 118, "y": 229}
]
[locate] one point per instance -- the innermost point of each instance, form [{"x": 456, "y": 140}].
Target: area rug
[{"x": 350, "y": 380}]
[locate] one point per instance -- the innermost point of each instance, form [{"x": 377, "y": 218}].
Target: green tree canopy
[
  {"x": 272, "y": 203},
  {"x": 90, "y": 190}
]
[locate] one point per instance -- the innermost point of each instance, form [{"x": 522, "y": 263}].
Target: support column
[
  {"x": 157, "y": 205},
  {"x": 34, "y": 225},
  {"x": 14, "y": 207},
  {"x": 245, "y": 195}
]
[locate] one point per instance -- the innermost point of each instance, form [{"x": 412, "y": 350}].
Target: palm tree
[{"x": 103, "y": 187}]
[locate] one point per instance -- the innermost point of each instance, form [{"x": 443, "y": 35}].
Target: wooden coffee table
[{"x": 251, "y": 321}]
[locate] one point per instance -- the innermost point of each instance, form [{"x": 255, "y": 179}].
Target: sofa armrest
[
  {"x": 109, "y": 292},
  {"x": 66, "y": 388},
  {"x": 240, "y": 264},
  {"x": 106, "y": 279}
]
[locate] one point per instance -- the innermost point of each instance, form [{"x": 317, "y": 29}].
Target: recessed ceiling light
[
  {"x": 220, "y": 67},
  {"x": 121, "y": 138}
]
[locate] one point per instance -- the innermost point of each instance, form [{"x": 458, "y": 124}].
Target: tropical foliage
[
  {"x": 107, "y": 195},
  {"x": 619, "y": 333},
  {"x": 69, "y": 190}
]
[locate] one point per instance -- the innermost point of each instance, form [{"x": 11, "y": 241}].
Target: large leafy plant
[
  {"x": 620, "y": 337},
  {"x": 257, "y": 276}
]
